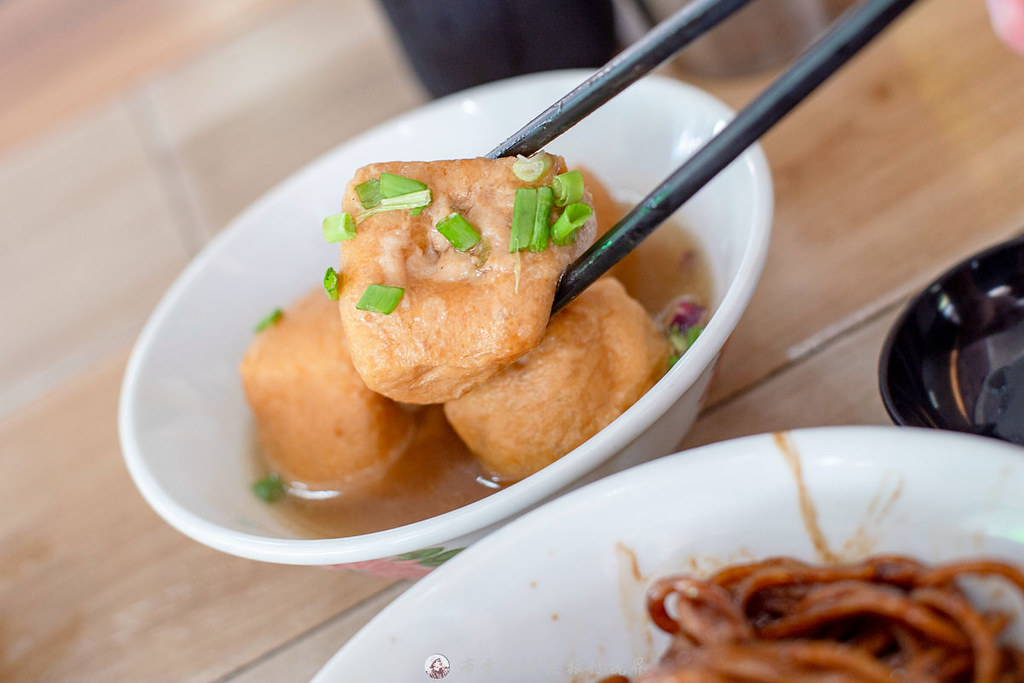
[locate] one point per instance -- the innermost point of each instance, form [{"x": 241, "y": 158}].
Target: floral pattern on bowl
[{"x": 411, "y": 565}]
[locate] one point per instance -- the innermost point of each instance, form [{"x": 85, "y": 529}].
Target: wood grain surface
[{"x": 132, "y": 132}]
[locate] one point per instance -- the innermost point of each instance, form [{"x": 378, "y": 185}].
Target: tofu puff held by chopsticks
[
  {"x": 463, "y": 315},
  {"x": 600, "y": 354},
  {"x": 318, "y": 424}
]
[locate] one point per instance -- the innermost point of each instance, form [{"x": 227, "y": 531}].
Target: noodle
[{"x": 885, "y": 619}]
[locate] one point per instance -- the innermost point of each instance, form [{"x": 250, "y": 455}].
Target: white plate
[{"x": 553, "y": 594}]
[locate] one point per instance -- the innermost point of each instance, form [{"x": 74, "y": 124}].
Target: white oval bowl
[
  {"x": 185, "y": 428},
  {"x": 935, "y": 495}
]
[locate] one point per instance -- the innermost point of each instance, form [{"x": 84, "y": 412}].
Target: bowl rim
[
  {"x": 815, "y": 446},
  {"x": 885, "y": 356},
  {"x": 500, "y": 506}
]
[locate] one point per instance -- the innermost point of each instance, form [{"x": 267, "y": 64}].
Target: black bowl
[{"x": 955, "y": 358}]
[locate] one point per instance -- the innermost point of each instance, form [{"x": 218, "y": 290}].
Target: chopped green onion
[
  {"x": 518, "y": 270},
  {"x": 331, "y": 284},
  {"x": 563, "y": 232},
  {"x": 380, "y": 299},
  {"x": 532, "y": 168},
  {"x": 369, "y": 193},
  {"x": 682, "y": 340},
  {"x": 524, "y": 213},
  {"x": 458, "y": 231},
  {"x": 542, "y": 219},
  {"x": 269, "y": 488},
  {"x": 481, "y": 252},
  {"x": 678, "y": 340},
  {"x": 339, "y": 227},
  {"x": 392, "y": 185},
  {"x": 692, "y": 334},
  {"x": 416, "y": 212},
  {"x": 568, "y": 187},
  {"x": 271, "y": 318},
  {"x": 412, "y": 201}
]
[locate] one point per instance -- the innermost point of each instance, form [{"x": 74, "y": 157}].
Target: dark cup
[
  {"x": 955, "y": 358},
  {"x": 456, "y": 44}
]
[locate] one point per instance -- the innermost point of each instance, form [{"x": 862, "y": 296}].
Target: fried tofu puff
[
  {"x": 463, "y": 316},
  {"x": 319, "y": 425},
  {"x": 600, "y": 354}
]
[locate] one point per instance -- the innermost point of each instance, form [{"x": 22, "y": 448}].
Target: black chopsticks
[
  {"x": 856, "y": 28},
  {"x": 660, "y": 43}
]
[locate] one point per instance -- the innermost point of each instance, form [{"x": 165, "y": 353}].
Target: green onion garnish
[
  {"x": 412, "y": 201},
  {"x": 269, "y": 488},
  {"x": 339, "y": 227},
  {"x": 380, "y": 299},
  {"x": 692, "y": 334},
  {"x": 369, "y": 193},
  {"x": 518, "y": 270},
  {"x": 458, "y": 231},
  {"x": 481, "y": 252},
  {"x": 392, "y": 185},
  {"x": 678, "y": 340},
  {"x": 331, "y": 284},
  {"x": 524, "y": 213},
  {"x": 682, "y": 340},
  {"x": 542, "y": 219},
  {"x": 563, "y": 232},
  {"x": 529, "y": 169},
  {"x": 271, "y": 318},
  {"x": 568, "y": 187}
]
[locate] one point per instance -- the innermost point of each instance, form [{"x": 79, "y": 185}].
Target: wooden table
[{"x": 910, "y": 159}]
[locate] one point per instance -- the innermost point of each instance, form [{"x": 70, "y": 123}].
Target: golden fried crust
[
  {"x": 600, "y": 354},
  {"x": 317, "y": 422},
  {"x": 458, "y": 323}
]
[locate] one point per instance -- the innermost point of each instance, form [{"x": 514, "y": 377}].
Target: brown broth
[
  {"x": 665, "y": 266},
  {"x": 436, "y": 473}
]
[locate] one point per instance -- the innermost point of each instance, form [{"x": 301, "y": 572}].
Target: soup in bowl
[{"x": 189, "y": 434}]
